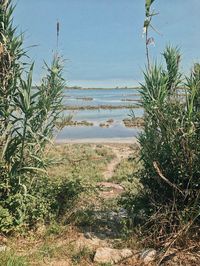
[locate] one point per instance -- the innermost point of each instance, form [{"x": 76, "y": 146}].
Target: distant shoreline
[
  {"x": 129, "y": 140},
  {"x": 117, "y": 88},
  {"x": 104, "y": 107}
]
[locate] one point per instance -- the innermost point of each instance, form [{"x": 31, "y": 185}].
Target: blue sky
[{"x": 102, "y": 39}]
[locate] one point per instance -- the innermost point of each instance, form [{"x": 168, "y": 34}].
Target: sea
[{"x": 121, "y": 98}]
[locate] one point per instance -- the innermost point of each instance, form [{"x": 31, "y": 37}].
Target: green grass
[
  {"x": 83, "y": 160},
  {"x": 127, "y": 169},
  {"x": 9, "y": 258},
  {"x": 57, "y": 241}
]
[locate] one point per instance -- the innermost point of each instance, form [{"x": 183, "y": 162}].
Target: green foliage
[
  {"x": 170, "y": 150},
  {"x": 64, "y": 121},
  {"x": 49, "y": 104},
  {"x": 28, "y": 119},
  {"x": 6, "y": 220},
  {"x": 11, "y": 259},
  {"x": 172, "y": 57},
  {"x": 11, "y": 53},
  {"x": 84, "y": 253},
  {"x": 148, "y": 4},
  {"x": 53, "y": 229}
]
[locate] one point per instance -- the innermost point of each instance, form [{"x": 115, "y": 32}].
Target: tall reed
[
  {"x": 168, "y": 205},
  {"x": 28, "y": 119}
]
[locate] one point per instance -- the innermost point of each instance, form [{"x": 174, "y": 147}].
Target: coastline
[
  {"x": 104, "y": 88},
  {"x": 129, "y": 140}
]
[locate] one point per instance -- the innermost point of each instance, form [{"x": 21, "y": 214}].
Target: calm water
[
  {"x": 101, "y": 97},
  {"x": 115, "y": 131},
  {"x": 109, "y": 97},
  {"x": 102, "y": 115}
]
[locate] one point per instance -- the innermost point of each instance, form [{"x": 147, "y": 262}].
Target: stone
[
  {"x": 3, "y": 240},
  {"x": 3, "y": 248},
  {"x": 91, "y": 243},
  {"x": 111, "y": 185},
  {"x": 148, "y": 255},
  {"x": 112, "y": 256}
]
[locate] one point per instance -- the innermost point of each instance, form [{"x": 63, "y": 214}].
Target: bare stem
[{"x": 147, "y": 50}]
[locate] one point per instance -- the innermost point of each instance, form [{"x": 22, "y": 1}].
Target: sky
[{"x": 101, "y": 40}]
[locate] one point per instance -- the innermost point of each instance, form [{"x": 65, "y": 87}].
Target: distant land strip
[
  {"x": 105, "y": 107},
  {"x": 116, "y": 88}
]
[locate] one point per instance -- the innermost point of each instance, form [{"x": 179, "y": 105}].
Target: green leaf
[
  {"x": 148, "y": 6},
  {"x": 34, "y": 169}
]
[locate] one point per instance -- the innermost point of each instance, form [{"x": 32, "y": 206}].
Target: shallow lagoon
[
  {"x": 102, "y": 115},
  {"x": 98, "y": 97},
  {"x": 115, "y": 131}
]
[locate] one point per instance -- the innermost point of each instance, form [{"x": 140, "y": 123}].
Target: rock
[
  {"x": 91, "y": 243},
  {"x": 3, "y": 248},
  {"x": 111, "y": 185},
  {"x": 88, "y": 235},
  {"x": 110, "y": 255},
  {"x": 148, "y": 255},
  {"x": 110, "y": 190},
  {"x": 3, "y": 240}
]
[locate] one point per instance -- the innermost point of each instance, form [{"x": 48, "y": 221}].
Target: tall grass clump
[
  {"x": 11, "y": 54},
  {"x": 28, "y": 119},
  {"x": 167, "y": 206}
]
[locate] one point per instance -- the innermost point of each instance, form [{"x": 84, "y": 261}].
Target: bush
[
  {"x": 168, "y": 203},
  {"x": 45, "y": 202},
  {"x": 6, "y": 220},
  {"x": 28, "y": 120}
]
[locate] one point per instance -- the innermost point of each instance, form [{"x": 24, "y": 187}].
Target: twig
[
  {"x": 153, "y": 28},
  {"x": 165, "y": 179},
  {"x": 185, "y": 228}
]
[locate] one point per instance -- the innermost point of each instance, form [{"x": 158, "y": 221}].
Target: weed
[
  {"x": 9, "y": 258},
  {"x": 83, "y": 254}
]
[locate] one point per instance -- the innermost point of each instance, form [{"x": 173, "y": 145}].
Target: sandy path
[
  {"x": 111, "y": 189},
  {"x": 121, "y": 153}
]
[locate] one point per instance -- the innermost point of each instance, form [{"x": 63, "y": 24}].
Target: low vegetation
[
  {"x": 63, "y": 123},
  {"x": 75, "y": 172},
  {"x": 134, "y": 122}
]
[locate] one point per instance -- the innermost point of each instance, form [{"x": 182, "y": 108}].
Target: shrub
[
  {"x": 168, "y": 204},
  {"x": 28, "y": 119},
  {"x": 6, "y": 220}
]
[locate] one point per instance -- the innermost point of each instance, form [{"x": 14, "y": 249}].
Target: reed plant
[
  {"x": 28, "y": 120},
  {"x": 167, "y": 206},
  {"x": 166, "y": 209},
  {"x": 11, "y": 54}
]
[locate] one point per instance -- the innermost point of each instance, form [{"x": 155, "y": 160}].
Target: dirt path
[
  {"x": 120, "y": 152},
  {"x": 111, "y": 189},
  {"x": 108, "y": 216}
]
